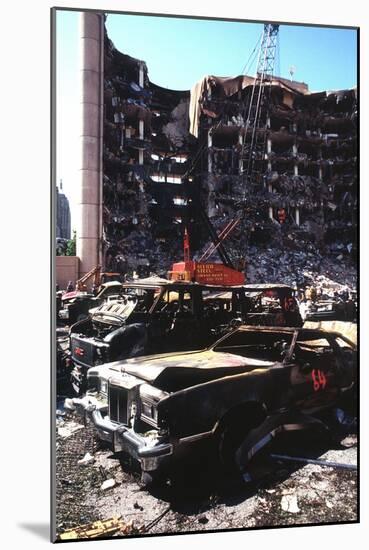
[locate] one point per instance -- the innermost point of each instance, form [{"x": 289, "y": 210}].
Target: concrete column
[
  {"x": 270, "y": 189},
  {"x": 296, "y": 166},
  {"x": 269, "y": 146},
  {"x": 141, "y": 76},
  {"x": 269, "y": 150},
  {"x": 210, "y": 144},
  {"x": 141, "y": 128},
  {"x": 89, "y": 232},
  {"x": 297, "y": 215},
  {"x": 240, "y": 161}
]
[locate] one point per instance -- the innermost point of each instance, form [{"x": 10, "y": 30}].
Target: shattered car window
[
  {"x": 312, "y": 350},
  {"x": 145, "y": 302},
  {"x": 343, "y": 343},
  {"x": 171, "y": 301}
]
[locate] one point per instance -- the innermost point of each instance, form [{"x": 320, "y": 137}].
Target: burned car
[
  {"x": 265, "y": 305},
  {"x": 331, "y": 310},
  {"x": 235, "y": 396},
  {"x": 62, "y": 360},
  {"x": 75, "y": 305},
  {"x": 160, "y": 316}
]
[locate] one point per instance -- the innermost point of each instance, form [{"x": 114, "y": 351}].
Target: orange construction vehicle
[{"x": 204, "y": 272}]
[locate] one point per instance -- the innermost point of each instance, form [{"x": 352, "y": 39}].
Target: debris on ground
[
  {"x": 97, "y": 529},
  {"x": 69, "y": 429},
  {"x": 225, "y": 505},
  {"x": 87, "y": 459},
  {"x": 289, "y": 504},
  {"x": 108, "y": 484}
]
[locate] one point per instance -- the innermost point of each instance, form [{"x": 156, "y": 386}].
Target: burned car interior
[{"x": 270, "y": 346}]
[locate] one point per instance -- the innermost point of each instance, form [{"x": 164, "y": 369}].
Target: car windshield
[
  {"x": 144, "y": 298},
  {"x": 264, "y": 345},
  {"x": 344, "y": 343},
  {"x": 314, "y": 350},
  {"x": 171, "y": 301}
]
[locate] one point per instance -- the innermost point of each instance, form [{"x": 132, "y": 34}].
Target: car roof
[
  {"x": 158, "y": 282},
  {"x": 267, "y": 286},
  {"x": 175, "y": 285},
  {"x": 258, "y": 328},
  {"x": 300, "y": 330}
]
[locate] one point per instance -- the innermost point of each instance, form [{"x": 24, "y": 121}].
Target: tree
[{"x": 71, "y": 245}]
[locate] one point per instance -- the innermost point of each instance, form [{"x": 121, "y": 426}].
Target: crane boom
[{"x": 259, "y": 99}]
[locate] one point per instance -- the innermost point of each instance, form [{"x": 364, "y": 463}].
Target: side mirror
[{"x": 306, "y": 367}]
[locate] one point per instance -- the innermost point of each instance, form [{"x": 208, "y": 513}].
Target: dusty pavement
[{"x": 286, "y": 493}]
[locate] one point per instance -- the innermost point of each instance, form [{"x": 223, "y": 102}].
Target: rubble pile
[
  {"x": 300, "y": 269},
  {"x": 168, "y": 154}
]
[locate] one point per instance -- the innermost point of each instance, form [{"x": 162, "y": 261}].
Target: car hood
[
  {"x": 114, "y": 310},
  {"x": 151, "y": 367}
]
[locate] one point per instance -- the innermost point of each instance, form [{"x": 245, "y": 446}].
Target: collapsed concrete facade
[{"x": 166, "y": 152}]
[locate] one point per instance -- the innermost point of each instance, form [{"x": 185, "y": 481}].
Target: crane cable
[{"x": 246, "y": 67}]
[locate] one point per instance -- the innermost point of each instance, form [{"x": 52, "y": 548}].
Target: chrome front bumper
[{"x": 150, "y": 450}]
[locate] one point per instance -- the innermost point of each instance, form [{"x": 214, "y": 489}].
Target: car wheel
[
  {"x": 152, "y": 478},
  {"x": 233, "y": 430},
  {"x": 81, "y": 317},
  {"x": 229, "y": 440}
]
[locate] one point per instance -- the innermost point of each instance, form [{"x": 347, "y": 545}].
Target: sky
[{"x": 178, "y": 52}]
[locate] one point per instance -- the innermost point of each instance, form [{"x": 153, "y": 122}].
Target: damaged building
[
  {"x": 170, "y": 156},
  {"x": 63, "y": 221}
]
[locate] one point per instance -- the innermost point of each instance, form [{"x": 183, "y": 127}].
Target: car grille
[
  {"x": 118, "y": 401},
  {"x": 82, "y": 351}
]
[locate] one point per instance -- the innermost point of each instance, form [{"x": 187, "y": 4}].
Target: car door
[
  {"x": 173, "y": 325},
  {"x": 315, "y": 367},
  {"x": 346, "y": 352},
  {"x": 187, "y": 330}
]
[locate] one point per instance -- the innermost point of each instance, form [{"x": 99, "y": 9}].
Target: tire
[
  {"x": 229, "y": 441},
  {"x": 150, "y": 479},
  {"x": 81, "y": 317},
  {"x": 235, "y": 427}
]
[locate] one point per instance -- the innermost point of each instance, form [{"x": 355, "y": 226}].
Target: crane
[{"x": 251, "y": 149}]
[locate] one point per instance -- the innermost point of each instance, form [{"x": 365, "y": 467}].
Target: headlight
[
  {"x": 133, "y": 408},
  {"x": 150, "y": 410},
  {"x": 64, "y": 314}
]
